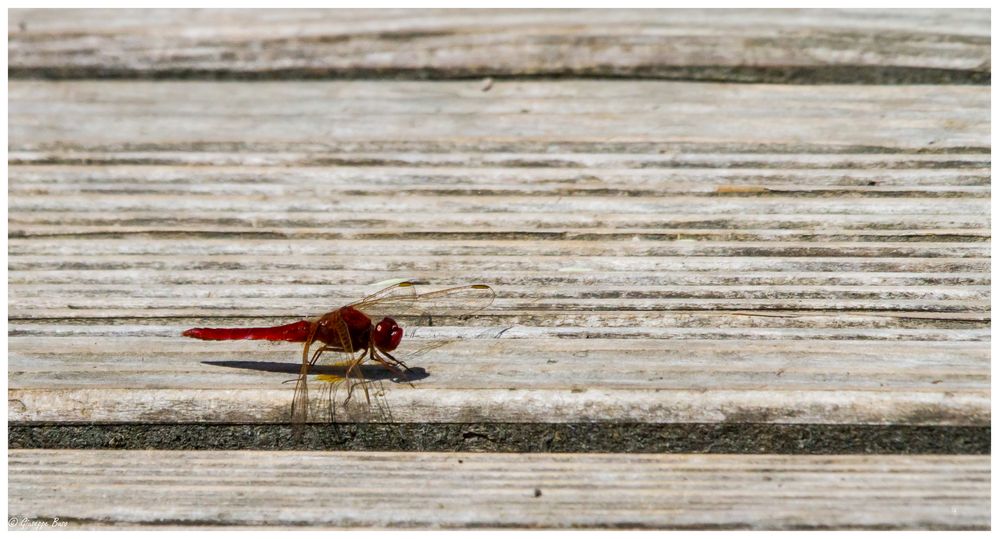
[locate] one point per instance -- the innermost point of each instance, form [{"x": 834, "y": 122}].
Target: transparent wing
[
  {"x": 300, "y": 402},
  {"x": 403, "y": 299},
  {"x": 344, "y": 375},
  {"x": 317, "y": 358},
  {"x": 399, "y": 291}
]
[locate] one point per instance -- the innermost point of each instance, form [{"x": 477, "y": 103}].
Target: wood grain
[
  {"x": 873, "y": 46},
  {"x": 808, "y": 258},
  {"x": 653, "y": 374},
  {"x": 663, "y": 252},
  {"x": 323, "y": 118},
  {"x": 178, "y": 489}
]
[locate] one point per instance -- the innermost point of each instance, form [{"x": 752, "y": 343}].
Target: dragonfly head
[{"x": 387, "y": 335}]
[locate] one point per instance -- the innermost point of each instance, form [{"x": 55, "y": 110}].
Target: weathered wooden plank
[
  {"x": 198, "y": 116},
  {"x": 655, "y": 375},
  {"x": 562, "y": 318},
  {"x": 946, "y": 174},
  {"x": 631, "y": 247},
  {"x": 464, "y": 265},
  {"x": 216, "y": 299},
  {"x": 663, "y": 253},
  {"x": 49, "y": 225},
  {"x": 303, "y": 275},
  {"x": 230, "y": 310},
  {"x": 514, "y": 296},
  {"x": 265, "y": 201},
  {"x": 103, "y": 307},
  {"x": 648, "y": 330},
  {"x": 411, "y": 204},
  {"x": 560, "y": 155},
  {"x": 756, "y": 45},
  {"x": 170, "y": 489}
]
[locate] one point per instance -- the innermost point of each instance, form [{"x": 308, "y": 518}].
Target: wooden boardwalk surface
[
  {"x": 850, "y": 46},
  {"x": 476, "y": 490},
  {"x": 664, "y": 252}
]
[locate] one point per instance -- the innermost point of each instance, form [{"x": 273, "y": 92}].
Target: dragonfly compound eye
[{"x": 387, "y": 335}]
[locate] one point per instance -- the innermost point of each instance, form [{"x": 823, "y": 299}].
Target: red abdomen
[{"x": 294, "y": 332}]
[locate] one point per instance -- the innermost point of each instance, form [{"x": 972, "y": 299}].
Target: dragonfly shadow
[{"x": 370, "y": 372}]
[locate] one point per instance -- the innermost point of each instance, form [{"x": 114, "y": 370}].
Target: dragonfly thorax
[{"x": 348, "y": 321}]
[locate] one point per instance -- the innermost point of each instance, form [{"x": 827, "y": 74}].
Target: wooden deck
[
  {"x": 669, "y": 246},
  {"x": 490, "y": 490},
  {"x": 848, "y": 46}
]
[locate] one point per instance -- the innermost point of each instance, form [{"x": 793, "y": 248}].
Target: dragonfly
[{"x": 363, "y": 331}]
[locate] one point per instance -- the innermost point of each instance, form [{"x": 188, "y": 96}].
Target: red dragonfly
[{"x": 348, "y": 336}]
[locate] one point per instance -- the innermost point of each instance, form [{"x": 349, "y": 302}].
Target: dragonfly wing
[
  {"x": 300, "y": 402},
  {"x": 334, "y": 363},
  {"x": 403, "y": 300},
  {"x": 404, "y": 290}
]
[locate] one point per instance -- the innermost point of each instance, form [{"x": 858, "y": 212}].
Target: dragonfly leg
[
  {"x": 326, "y": 348},
  {"x": 315, "y": 356},
  {"x": 319, "y": 352},
  {"x": 390, "y": 366},
  {"x": 355, "y": 367},
  {"x": 396, "y": 361}
]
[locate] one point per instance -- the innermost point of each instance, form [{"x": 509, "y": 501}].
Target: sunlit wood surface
[{"x": 668, "y": 244}]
